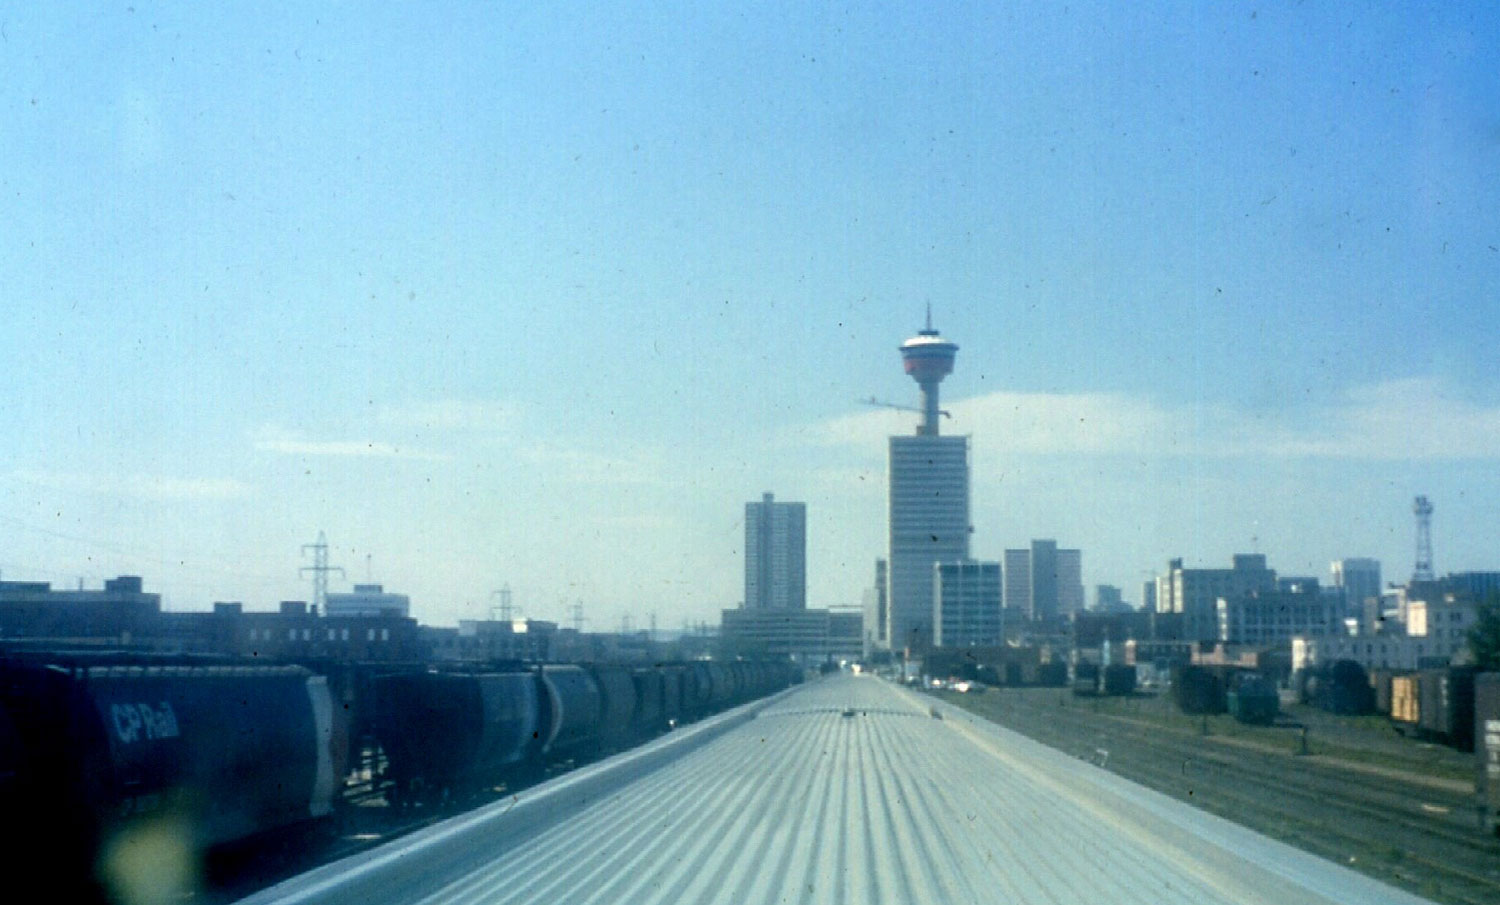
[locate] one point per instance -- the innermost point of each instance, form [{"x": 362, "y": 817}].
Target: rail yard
[{"x": 1399, "y": 810}]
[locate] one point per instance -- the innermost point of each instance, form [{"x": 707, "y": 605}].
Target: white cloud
[
  {"x": 585, "y": 467},
  {"x": 275, "y": 440},
  {"x": 448, "y": 415},
  {"x": 1394, "y": 420},
  {"x": 142, "y": 487},
  {"x": 1415, "y": 418}
]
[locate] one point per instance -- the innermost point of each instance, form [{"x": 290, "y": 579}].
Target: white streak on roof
[{"x": 804, "y": 804}]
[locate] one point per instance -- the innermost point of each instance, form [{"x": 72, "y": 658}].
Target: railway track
[
  {"x": 364, "y": 823},
  {"x": 1407, "y": 834}
]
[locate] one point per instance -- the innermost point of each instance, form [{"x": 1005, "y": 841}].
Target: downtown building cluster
[{"x": 930, "y": 592}]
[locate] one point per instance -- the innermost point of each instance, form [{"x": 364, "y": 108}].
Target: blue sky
[{"x": 541, "y": 296}]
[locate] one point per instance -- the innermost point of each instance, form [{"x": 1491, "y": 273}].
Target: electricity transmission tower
[
  {"x": 319, "y": 569},
  {"x": 1422, "y": 509}
]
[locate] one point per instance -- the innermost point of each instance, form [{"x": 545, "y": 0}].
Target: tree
[{"x": 1484, "y": 637}]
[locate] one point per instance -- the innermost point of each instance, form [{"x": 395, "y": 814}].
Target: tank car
[
  {"x": 102, "y": 755},
  {"x": 447, "y": 735}
]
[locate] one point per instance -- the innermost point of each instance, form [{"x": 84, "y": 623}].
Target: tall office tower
[
  {"x": 1044, "y": 602},
  {"x": 1044, "y": 582},
  {"x": 966, "y": 604},
  {"x": 1359, "y": 580},
  {"x": 775, "y": 555},
  {"x": 1017, "y": 582},
  {"x": 1070, "y": 597},
  {"x": 929, "y": 498}
]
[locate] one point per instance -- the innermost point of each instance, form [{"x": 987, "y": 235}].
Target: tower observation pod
[{"x": 928, "y": 358}]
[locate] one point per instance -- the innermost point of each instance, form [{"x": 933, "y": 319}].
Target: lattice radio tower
[
  {"x": 1422, "y": 508},
  {"x": 320, "y": 569}
]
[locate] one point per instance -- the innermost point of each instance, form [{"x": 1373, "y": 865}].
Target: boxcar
[
  {"x": 1086, "y": 679},
  {"x": 1198, "y": 690},
  {"x": 1406, "y": 703},
  {"x": 1380, "y": 681},
  {"x": 1118, "y": 679},
  {"x": 1487, "y": 745},
  {"x": 1342, "y": 688},
  {"x": 1052, "y": 675},
  {"x": 1447, "y": 705},
  {"x": 1253, "y": 698}
]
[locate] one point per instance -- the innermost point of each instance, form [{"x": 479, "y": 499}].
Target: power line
[{"x": 192, "y": 562}]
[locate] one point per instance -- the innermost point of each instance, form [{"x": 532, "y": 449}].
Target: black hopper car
[{"x": 109, "y": 760}]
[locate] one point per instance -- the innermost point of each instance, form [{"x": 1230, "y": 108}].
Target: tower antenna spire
[{"x": 929, "y": 318}]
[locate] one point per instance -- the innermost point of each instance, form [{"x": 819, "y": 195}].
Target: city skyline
[{"x": 542, "y": 299}]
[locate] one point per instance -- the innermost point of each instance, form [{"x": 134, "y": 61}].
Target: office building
[
  {"x": 1264, "y": 618},
  {"x": 367, "y": 600},
  {"x": 1194, "y": 594},
  {"x": 1044, "y": 583},
  {"x": 874, "y": 612},
  {"x": 966, "y": 604},
  {"x": 1358, "y": 580}
]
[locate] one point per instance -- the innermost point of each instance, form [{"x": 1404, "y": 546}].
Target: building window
[
  {"x": 385, "y": 634},
  {"x": 369, "y": 634},
  {"x": 307, "y": 634},
  {"x": 291, "y": 634},
  {"x": 345, "y": 634}
]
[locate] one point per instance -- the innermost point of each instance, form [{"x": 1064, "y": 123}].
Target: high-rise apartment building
[{"x": 775, "y": 555}]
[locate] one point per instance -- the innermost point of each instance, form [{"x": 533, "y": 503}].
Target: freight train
[
  {"x": 105, "y": 758},
  {"x": 1116, "y": 680},
  {"x": 1246, "y": 695}
]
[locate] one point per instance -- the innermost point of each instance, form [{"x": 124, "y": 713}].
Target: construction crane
[{"x": 880, "y": 403}]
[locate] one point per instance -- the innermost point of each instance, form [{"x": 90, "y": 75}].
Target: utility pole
[{"x": 319, "y": 569}]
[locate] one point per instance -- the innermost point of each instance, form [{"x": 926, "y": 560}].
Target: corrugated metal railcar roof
[{"x": 807, "y": 804}]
